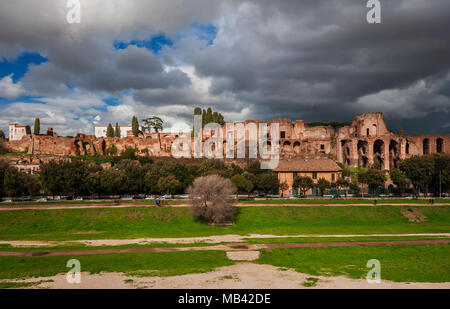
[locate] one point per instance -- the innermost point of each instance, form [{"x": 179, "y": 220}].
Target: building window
[
  {"x": 322, "y": 147},
  {"x": 230, "y": 135},
  {"x": 314, "y": 175},
  {"x": 282, "y": 134},
  {"x": 332, "y": 177}
]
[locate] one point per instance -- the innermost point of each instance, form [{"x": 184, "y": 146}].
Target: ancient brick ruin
[{"x": 365, "y": 142}]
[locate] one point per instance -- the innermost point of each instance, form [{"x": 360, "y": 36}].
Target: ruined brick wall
[{"x": 365, "y": 142}]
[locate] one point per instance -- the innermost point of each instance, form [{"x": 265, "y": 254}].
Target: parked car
[
  {"x": 24, "y": 198},
  {"x": 293, "y": 197},
  {"x": 184, "y": 196},
  {"x": 126, "y": 198},
  {"x": 139, "y": 197},
  {"x": 150, "y": 197},
  {"x": 78, "y": 198},
  {"x": 167, "y": 196},
  {"x": 42, "y": 199},
  {"x": 7, "y": 201},
  {"x": 57, "y": 198}
]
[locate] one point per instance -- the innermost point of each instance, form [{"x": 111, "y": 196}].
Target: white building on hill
[
  {"x": 17, "y": 131},
  {"x": 100, "y": 130}
]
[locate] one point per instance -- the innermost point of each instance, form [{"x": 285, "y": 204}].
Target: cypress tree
[
  {"x": 221, "y": 120},
  {"x": 203, "y": 118},
  {"x": 135, "y": 126},
  {"x": 117, "y": 130},
  {"x": 37, "y": 126},
  {"x": 209, "y": 115},
  {"x": 109, "y": 131},
  {"x": 215, "y": 117}
]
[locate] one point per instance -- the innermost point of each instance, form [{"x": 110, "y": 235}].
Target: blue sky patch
[
  {"x": 155, "y": 43},
  {"x": 19, "y": 66}
]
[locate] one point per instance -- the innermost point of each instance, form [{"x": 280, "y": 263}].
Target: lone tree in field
[{"x": 211, "y": 199}]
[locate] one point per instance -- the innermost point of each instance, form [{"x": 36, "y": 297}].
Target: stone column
[
  {"x": 370, "y": 152},
  {"x": 386, "y": 154},
  {"x": 354, "y": 153},
  {"x": 339, "y": 151}
]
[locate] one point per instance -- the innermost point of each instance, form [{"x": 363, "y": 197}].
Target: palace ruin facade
[{"x": 365, "y": 142}]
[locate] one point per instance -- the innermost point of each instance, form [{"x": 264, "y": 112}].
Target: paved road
[
  {"x": 238, "y": 247},
  {"x": 82, "y": 206}
]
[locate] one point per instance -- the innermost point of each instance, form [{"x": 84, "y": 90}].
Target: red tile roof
[{"x": 308, "y": 165}]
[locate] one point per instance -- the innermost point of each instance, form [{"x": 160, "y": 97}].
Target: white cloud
[{"x": 8, "y": 89}]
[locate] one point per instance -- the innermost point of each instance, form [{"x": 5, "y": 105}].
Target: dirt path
[
  {"x": 185, "y": 240},
  {"x": 239, "y": 247},
  {"x": 238, "y": 276},
  {"x": 82, "y": 206}
]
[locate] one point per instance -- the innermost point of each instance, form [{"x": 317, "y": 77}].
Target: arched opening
[
  {"x": 439, "y": 145},
  {"x": 426, "y": 146},
  {"x": 368, "y": 132},
  {"x": 362, "y": 153},
  {"x": 363, "y": 161},
  {"x": 286, "y": 145},
  {"x": 393, "y": 154},
  {"x": 407, "y": 148},
  {"x": 378, "y": 152},
  {"x": 297, "y": 147},
  {"x": 374, "y": 130}
]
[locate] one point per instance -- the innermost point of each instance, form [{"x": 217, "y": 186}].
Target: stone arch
[
  {"x": 378, "y": 152},
  {"x": 407, "y": 147},
  {"x": 363, "y": 149},
  {"x": 426, "y": 146},
  {"x": 374, "y": 130},
  {"x": 286, "y": 145},
  {"x": 394, "y": 154},
  {"x": 297, "y": 146},
  {"x": 439, "y": 145}
]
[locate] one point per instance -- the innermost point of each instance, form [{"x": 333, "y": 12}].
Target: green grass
[
  {"x": 138, "y": 264},
  {"x": 336, "y": 239},
  {"x": 406, "y": 263},
  {"x": 18, "y": 285},
  {"x": 82, "y": 247},
  {"x": 345, "y": 201},
  {"x": 310, "y": 282},
  {"x": 121, "y": 223},
  {"x": 107, "y": 203}
]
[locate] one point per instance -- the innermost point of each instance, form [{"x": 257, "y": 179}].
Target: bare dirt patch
[
  {"x": 413, "y": 215},
  {"x": 230, "y": 238},
  {"x": 243, "y": 255},
  {"x": 238, "y": 276}
]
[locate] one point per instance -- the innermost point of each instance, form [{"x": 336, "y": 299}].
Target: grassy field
[
  {"x": 121, "y": 223},
  {"x": 406, "y": 263},
  {"x": 139, "y": 264},
  {"x": 412, "y": 263},
  {"x": 109, "y": 202},
  {"x": 346, "y": 201}
]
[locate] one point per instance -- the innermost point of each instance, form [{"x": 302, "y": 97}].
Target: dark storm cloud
[{"x": 316, "y": 60}]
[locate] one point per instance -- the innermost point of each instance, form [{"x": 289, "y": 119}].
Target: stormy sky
[{"x": 314, "y": 60}]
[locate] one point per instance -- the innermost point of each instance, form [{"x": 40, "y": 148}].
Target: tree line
[{"x": 128, "y": 175}]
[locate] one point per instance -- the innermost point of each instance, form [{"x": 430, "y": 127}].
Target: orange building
[{"x": 314, "y": 168}]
